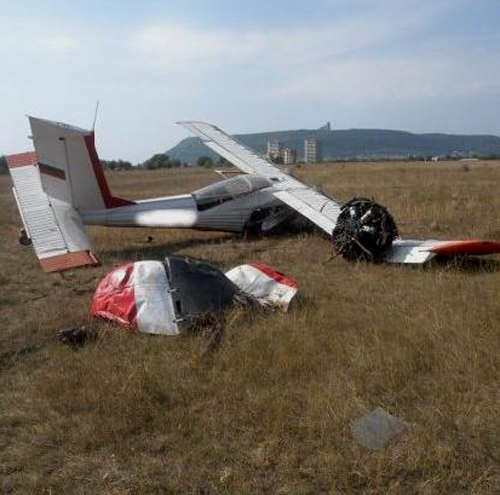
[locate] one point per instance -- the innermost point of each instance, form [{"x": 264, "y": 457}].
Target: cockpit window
[{"x": 220, "y": 192}]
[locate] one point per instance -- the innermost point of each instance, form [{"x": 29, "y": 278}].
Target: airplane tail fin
[
  {"x": 54, "y": 227},
  {"x": 69, "y": 167},
  {"x": 54, "y": 186}
]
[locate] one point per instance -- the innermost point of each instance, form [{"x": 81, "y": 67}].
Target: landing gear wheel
[
  {"x": 364, "y": 230},
  {"x": 24, "y": 240}
]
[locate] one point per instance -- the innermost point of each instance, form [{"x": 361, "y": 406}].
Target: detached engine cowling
[{"x": 364, "y": 230}]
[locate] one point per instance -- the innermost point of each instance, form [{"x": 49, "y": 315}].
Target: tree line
[
  {"x": 155, "y": 162},
  {"x": 159, "y": 161}
]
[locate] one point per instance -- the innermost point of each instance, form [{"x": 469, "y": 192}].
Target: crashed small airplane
[{"x": 61, "y": 187}]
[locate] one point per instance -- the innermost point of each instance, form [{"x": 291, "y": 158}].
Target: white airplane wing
[
  {"x": 409, "y": 251},
  {"x": 312, "y": 204},
  {"x": 412, "y": 251}
]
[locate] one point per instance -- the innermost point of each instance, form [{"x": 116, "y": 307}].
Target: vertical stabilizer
[{"x": 70, "y": 169}]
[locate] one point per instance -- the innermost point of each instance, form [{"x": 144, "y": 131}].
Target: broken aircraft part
[
  {"x": 173, "y": 296},
  {"x": 269, "y": 287},
  {"x": 375, "y": 430},
  {"x": 76, "y": 336}
]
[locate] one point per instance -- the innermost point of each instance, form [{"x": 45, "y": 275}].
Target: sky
[{"x": 246, "y": 66}]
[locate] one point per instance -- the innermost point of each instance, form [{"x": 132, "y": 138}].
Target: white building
[
  {"x": 312, "y": 151},
  {"x": 274, "y": 149},
  {"x": 289, "y": 156}
]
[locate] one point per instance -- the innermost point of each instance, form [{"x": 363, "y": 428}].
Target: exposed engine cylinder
[{"x": 364, "y": 230}]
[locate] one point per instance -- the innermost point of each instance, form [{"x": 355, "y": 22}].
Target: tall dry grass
[{"x": 269, "y": 412}]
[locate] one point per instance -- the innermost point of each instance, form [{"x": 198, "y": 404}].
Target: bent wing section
[
  {"x": 54, "y": 226},
  {"x": 411, "y": 251},
  {"x": 320, "y": 209}
]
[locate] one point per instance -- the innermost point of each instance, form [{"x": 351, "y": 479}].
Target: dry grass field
[{"x": 270, "y": 410}]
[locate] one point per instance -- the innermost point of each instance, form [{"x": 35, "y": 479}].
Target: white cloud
[
  {"x": 185, "y": 46},
  {"x": 361, "y": 60},
  {"x": 170, "y": 45},
  {"x": 60, "y": 43},
  {"x": 361, "y": 80},
  {"x": 22, "y": 38}
]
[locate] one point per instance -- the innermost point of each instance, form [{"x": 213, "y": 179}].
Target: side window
[
  {"x": 207, "y": 203},
  {"x": 216, "y": 194}
]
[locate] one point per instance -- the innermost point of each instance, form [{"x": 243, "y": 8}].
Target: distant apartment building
[
  {"x": 289, "y": 156},
  {"x": 274, "y": 149},
  {"x": 312, "y": 151},
  {"x": 278, "y": 154}
]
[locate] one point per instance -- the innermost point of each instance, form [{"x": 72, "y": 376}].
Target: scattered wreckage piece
[
  {"x": 375, "y": 430},
  {"x": 269, "y": 287},
  {"x": 169, "y": 297},
  {"x": 76, "y": 337}
]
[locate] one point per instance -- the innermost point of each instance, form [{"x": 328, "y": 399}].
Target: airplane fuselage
[{"x": 184, "y": 211}]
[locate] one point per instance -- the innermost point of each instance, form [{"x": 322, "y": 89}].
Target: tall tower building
[{"x": 312, "y": 151}]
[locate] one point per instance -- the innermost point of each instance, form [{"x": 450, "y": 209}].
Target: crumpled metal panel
[
  {"x": 268, "y": 286},
  {"x": 375, "y": 430},
  {"x": 138, "y": 296}
]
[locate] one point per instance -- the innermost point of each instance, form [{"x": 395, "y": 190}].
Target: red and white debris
[{"x": 166, "y": 297}]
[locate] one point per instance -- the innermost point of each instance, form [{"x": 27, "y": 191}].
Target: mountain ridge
[{"x": 358, "y": 143}]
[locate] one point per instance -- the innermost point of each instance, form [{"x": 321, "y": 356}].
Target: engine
[{"x": 364, "y": 230}]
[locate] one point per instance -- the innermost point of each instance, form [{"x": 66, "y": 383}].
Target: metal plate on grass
[{"x": 375, "y": 430}]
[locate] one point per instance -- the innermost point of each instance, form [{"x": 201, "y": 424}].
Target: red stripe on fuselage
[{"x": 110, "y": 201}]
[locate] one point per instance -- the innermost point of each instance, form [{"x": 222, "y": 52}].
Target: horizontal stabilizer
[{"x": 54, "y": 226}]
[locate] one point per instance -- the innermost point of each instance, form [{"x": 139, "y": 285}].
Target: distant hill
[{"x": 355, "y": 143}]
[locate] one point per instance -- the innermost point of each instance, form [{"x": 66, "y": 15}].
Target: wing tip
[
  {"x": 186, "y": 123},
  {"x": 472, "y": 247}
]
